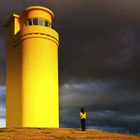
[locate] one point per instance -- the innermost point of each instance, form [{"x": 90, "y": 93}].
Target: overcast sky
[{"x": 99, "y": 59}]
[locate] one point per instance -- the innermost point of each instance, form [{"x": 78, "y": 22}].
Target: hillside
[{"x": 60, "y": 134}]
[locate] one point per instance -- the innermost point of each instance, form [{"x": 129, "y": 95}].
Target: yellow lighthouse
[{"x": 32, "y": 69}]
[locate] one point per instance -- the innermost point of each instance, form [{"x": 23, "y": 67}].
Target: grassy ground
[{"x": 60, "y": 134}]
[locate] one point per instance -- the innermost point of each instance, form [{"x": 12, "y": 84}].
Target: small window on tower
[
  {"x": 41, "y": 21},
  {"x": 46, "y": 23},
  {"x": 49, "y": 25},
  {"x": 29, "y": 22},
  {"x": 35, "y": 21}
]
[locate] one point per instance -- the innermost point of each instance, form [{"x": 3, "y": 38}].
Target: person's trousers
[{"x": 83, "y": 126}]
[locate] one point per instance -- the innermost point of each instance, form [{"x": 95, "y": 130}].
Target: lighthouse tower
[{"x": 32, "y": 69}]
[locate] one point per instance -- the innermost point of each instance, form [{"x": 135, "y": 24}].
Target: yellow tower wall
[
  {"x": 13, "y": 76},
  {"x": 35, "y": 92},
  {"x": 40, "y": 79}
]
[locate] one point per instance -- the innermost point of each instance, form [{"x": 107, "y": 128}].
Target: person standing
[{"x": 83, "y": 119}]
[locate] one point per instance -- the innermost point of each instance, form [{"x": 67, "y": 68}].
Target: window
[
  {"x": 35, "y": 21},
  {"x": 29, "y": 22},
  {"x": 46, "y": 23},
  {"x": 38, "y": 21},
  {"x": 41, "y": 22},
  {"x": 49, "y": 25}
]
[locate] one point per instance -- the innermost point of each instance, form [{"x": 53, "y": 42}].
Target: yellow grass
[{"x": 60, "y": 134}]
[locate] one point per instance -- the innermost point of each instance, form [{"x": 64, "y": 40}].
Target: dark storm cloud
[
  {"x": 2, "y": 60},
  {"x": 99, "y": 57},
  {"x": 2, "y": 101},
  {"x": 107, "y": 51},
  {"x": 92, "y": 32},
  {"x": 101, "y": 95},
  {"x": 106, "y": 103}
]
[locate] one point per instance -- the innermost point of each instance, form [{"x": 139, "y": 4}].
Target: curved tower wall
[{"x": 38, "y": 43}]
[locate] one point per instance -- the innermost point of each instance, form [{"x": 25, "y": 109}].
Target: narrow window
[
  {"x": 29, "y": 22},
  {"x": 35, "y": 21},
  {"x": 46, "y": 23},
  {"x": 49, "y": 24},
  {"x": 41, "y": 21}
]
